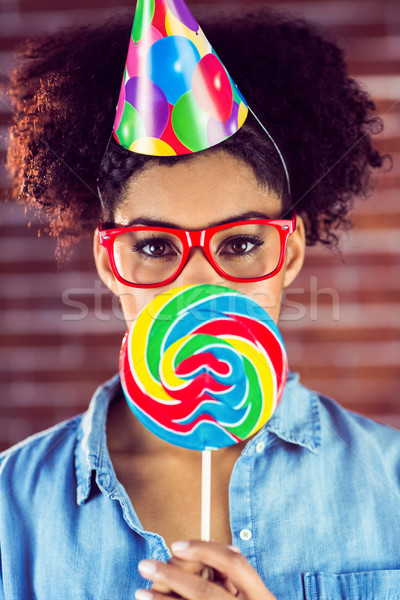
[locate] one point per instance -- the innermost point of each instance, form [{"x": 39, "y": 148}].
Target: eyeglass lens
[{"x": 243, "y": 251}]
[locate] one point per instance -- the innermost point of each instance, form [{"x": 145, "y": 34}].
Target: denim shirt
[{"x": 314, "y": 507}]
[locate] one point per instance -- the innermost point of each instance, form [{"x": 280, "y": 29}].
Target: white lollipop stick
[
  {"x": 206, "y": 496},
  {"x": 206, "y": 505}
]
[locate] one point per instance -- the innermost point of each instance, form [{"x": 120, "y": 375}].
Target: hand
[
  {"x": 181, "y": 577},
  {"x": 197, "y": 568}
]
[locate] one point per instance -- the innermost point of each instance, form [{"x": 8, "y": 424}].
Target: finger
[
  {"x": 191, "y": 566},
  {"x": 160, "y": 587},
  {"x": 230, "y": 587},
  {"x": 228, "y": 562},
  {"x": 187, "y": 585},
  {"x": 151, "y": 595},
  {"x": 197, "y": 568},
  {"x": 187, "y": 565}
]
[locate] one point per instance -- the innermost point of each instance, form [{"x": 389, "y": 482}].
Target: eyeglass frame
[{"x": 197, "y": 239}]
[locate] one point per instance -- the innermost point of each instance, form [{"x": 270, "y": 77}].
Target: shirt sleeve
[
  {"x": 2, "y": 596},
  {"x": 2, "y": 593}
]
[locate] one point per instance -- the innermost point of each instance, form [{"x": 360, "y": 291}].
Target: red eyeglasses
[{"x": 148, "y": 257}]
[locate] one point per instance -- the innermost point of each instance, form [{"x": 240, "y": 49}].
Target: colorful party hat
[{"x": 176, "y": 95}]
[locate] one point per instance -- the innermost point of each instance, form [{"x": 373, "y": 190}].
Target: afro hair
[{"x": 65, "y": 86}]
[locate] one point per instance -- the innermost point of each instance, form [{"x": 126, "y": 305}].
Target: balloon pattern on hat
[{"x": 176, "y": 95}]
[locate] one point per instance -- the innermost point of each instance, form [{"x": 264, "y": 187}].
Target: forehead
[{"x": 196, "y": 192}]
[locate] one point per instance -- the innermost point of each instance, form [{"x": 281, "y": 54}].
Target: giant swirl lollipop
[{"x": 203, "y": 367}]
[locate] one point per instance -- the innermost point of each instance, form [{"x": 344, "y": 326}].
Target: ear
[
  {"x": 295, "y": 253},
  {"x": 103, "y": 265}
]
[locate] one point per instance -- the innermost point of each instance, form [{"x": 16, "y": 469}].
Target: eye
[
  {"x": 240, "y": 245},
  {"x": 155, "y": 248}
]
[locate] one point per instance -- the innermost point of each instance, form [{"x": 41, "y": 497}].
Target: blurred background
[{"x": 61, "y": 330}]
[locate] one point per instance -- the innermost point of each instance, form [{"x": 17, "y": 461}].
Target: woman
[{"x": 309, "y": 503}]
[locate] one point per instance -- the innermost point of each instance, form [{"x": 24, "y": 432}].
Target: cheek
[
  {"x": 266, "y": 293},
  {"x": 133, "y": 301}
]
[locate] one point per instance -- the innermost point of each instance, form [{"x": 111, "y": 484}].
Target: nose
[{"x": 198, "y": 270}]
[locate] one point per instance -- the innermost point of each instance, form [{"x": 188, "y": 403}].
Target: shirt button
[
  {"x": 106, "y": 481},
  {"x": 260, "y": 447},
  {"x": 245, "y": 535}
]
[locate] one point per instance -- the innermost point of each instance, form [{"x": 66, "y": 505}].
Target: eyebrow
[{"x": 147, "y": 222}]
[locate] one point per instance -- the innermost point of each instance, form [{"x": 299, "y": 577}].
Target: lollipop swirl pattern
[
  {"x": 176, "y": 95},
  {"x": 203, "y": 367}
]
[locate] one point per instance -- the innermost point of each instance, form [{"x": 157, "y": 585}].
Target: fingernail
[
  {"x": 143, "y": 595},
  {"x": 180, "y": 546},
  {"x": 146, "y": 567},
  {"x": 234, "y": 549}
]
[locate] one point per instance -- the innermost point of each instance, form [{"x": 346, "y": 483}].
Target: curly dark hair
[{"x": 64, "y": 91}]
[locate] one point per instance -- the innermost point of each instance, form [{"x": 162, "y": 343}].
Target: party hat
[{"x": 176, "y": 95}]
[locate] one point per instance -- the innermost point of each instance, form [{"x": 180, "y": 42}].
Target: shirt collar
[
  {"x": 91, "y": 453},
  {"x": 296, "y": 421}
]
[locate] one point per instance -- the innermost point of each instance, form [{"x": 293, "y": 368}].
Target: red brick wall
[{"x": 61, "y": 330}]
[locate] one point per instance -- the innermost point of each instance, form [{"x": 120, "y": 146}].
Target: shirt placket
[{"x": 240, "y": 506}]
